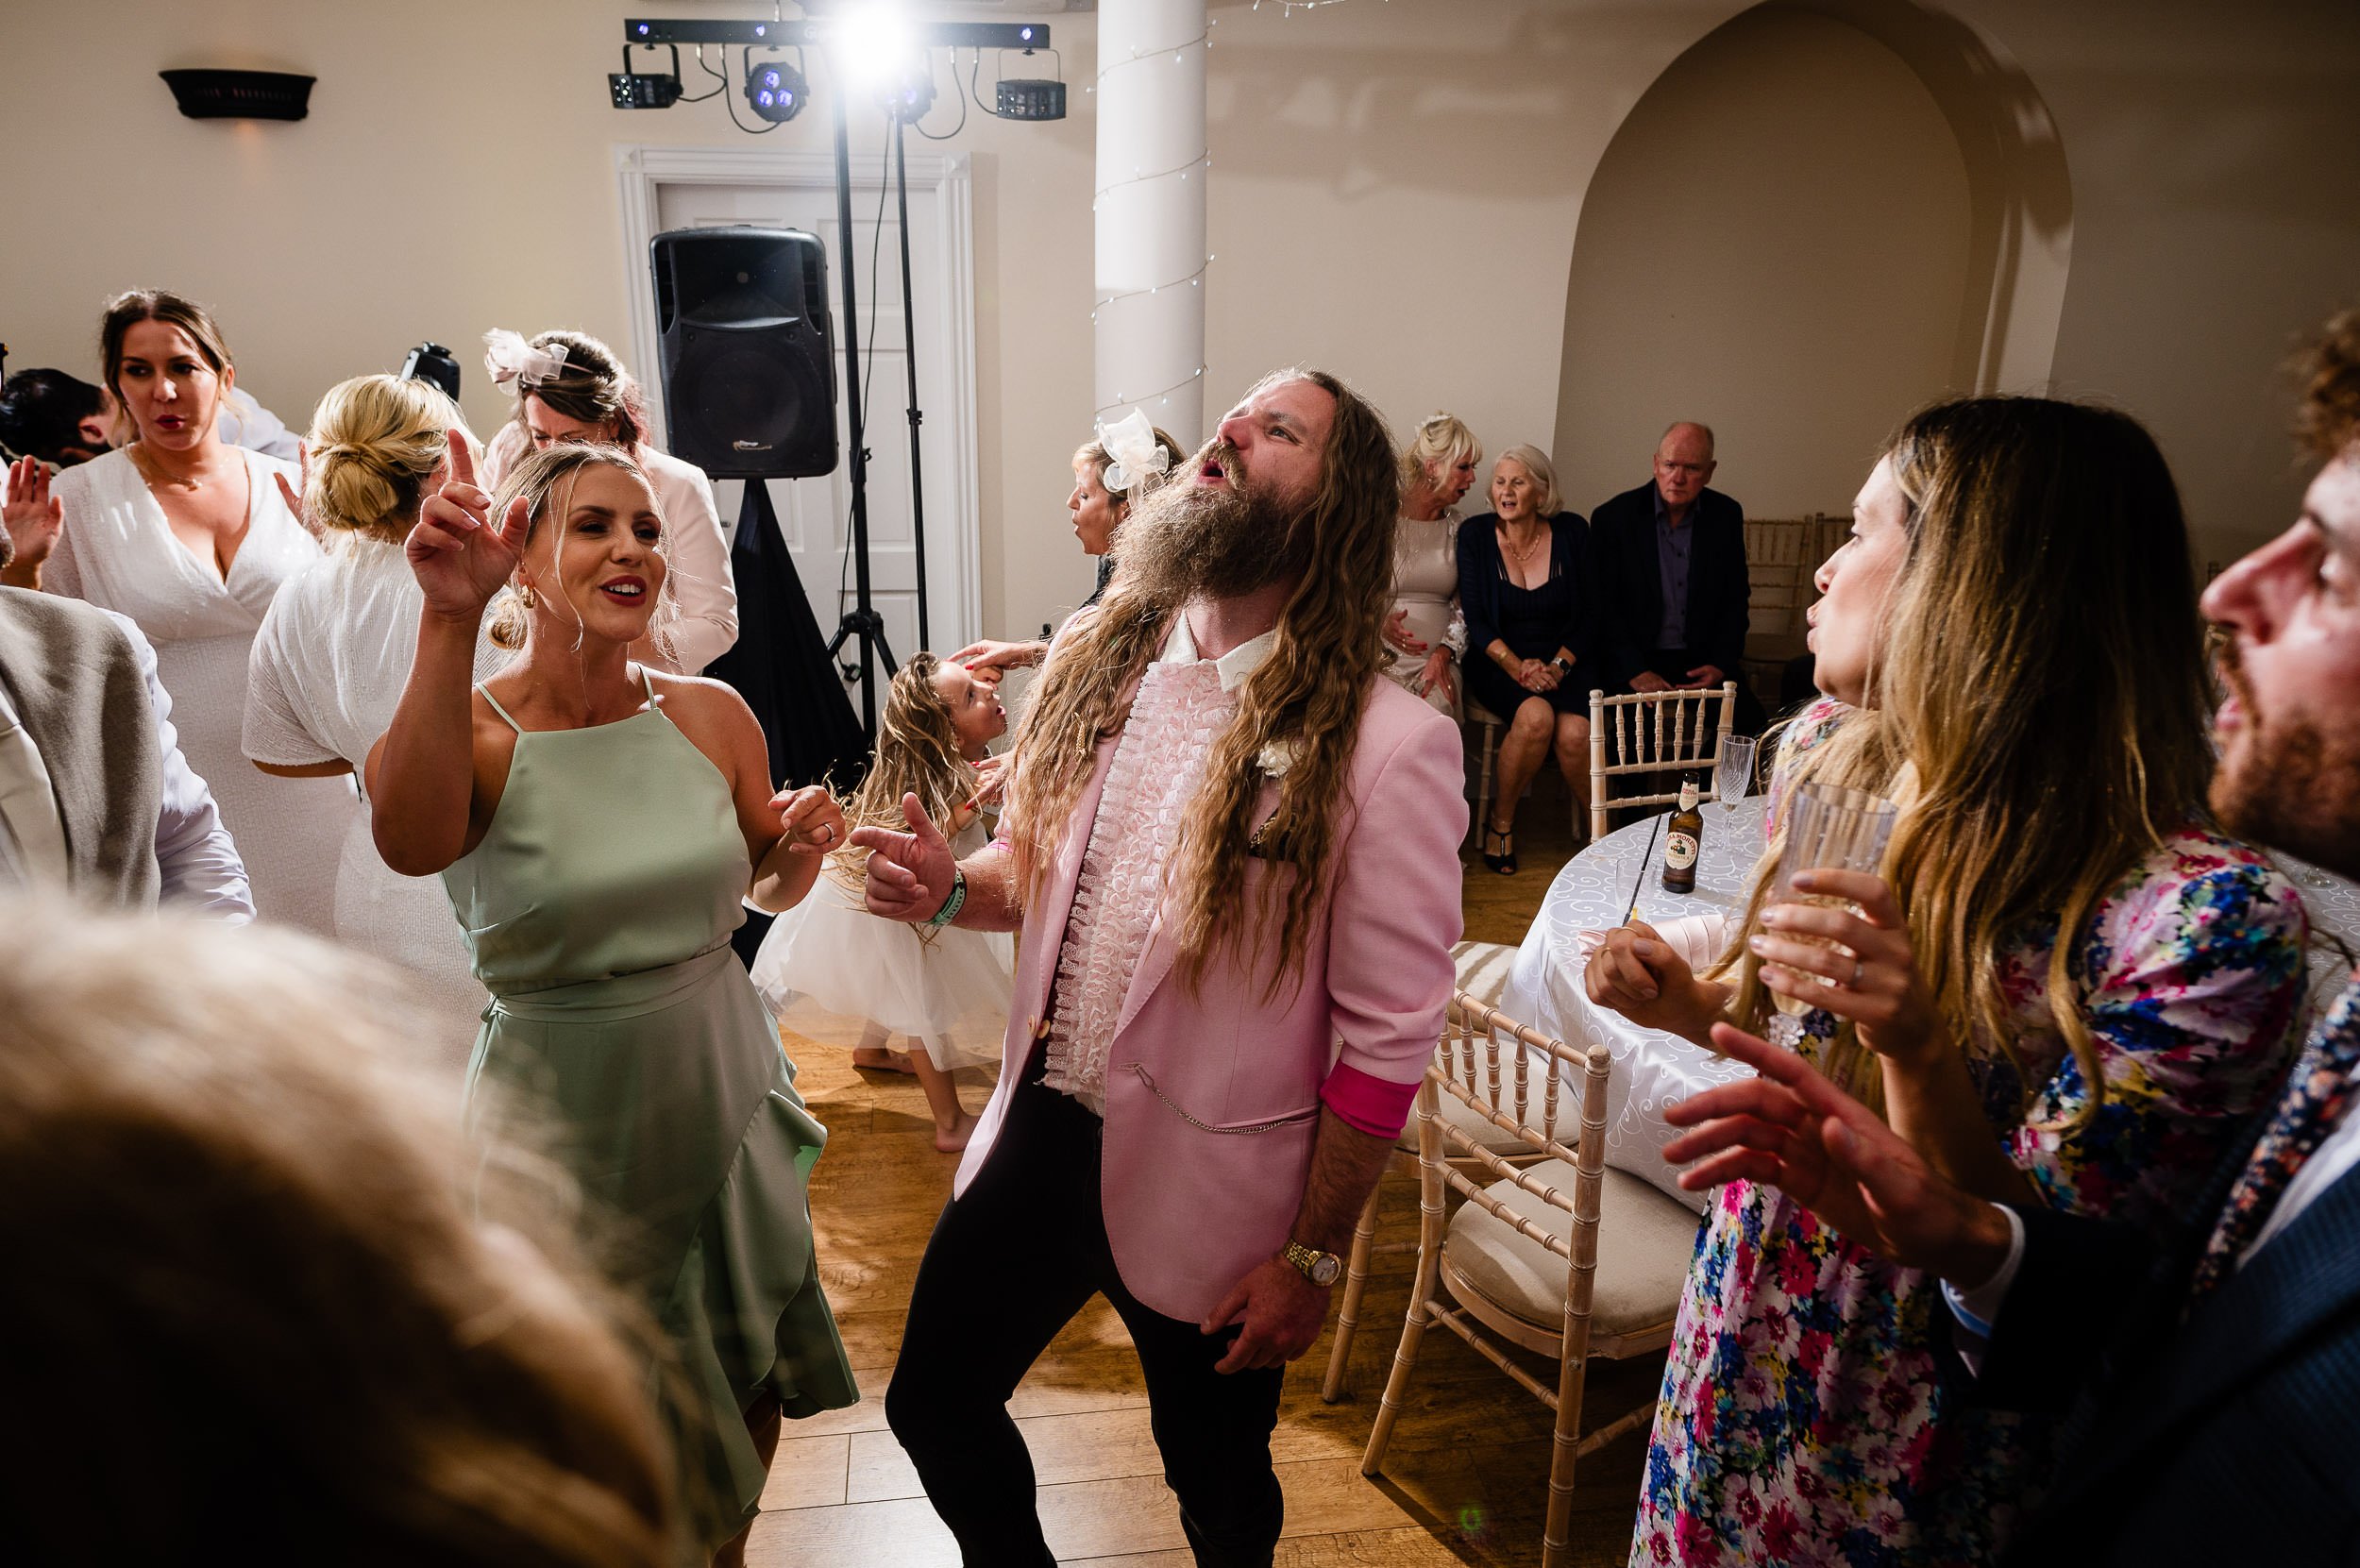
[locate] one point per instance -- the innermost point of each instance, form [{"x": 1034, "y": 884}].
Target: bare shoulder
[
  {"x": 710, "y": 713},
  {"x": 684, "y": 696}
]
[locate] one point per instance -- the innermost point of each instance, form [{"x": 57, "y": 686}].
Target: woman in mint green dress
[{"x": 597, "y": 825}]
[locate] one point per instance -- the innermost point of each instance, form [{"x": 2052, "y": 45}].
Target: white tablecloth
[{"x": 1651, "y": 1067}]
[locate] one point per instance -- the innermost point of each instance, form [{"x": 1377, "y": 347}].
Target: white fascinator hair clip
[
  {"x": 515, "y": 364},
  {"x": 1132, "y": 450}
]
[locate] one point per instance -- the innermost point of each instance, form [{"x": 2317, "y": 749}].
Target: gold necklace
[{"x": 1518, "y": 556}]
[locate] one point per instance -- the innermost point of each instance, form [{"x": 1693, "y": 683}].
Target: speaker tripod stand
[{"x": 862, "y": 623}]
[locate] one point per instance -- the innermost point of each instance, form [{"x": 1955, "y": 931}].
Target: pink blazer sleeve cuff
[{"x": 1377, "y": 1106}]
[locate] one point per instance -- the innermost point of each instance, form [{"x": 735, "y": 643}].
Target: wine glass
[
  {"x": 1828, "y": 828},
  {"x": 1733, "y": 771}
]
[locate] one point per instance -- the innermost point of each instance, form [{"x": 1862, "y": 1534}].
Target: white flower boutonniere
[{"x": 1276, "y": 757}]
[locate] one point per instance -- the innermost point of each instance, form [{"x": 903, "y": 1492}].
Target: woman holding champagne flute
[{"x": 2056, "y": 982}]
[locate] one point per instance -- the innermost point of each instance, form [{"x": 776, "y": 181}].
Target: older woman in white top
[
  {"x": 569, "y": 387},
  {"x": 191, "y": 538},
  {"x": 1426, "y": 631},
  {"x": 333, "y": 654}
]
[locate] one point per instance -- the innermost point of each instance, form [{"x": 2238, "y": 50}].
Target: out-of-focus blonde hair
[
  {"x": 241, "y": 1206},
  {"x": 1543, "y": 474},
  {"x": 539, "y": 479},
  {"x": 1442, "y": 443},
  {"x": 375, "y": 441}
]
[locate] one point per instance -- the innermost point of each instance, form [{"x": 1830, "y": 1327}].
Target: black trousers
[
  {"x": 1674, "y": 663},
  {"x": 1009, "y": 1265}
]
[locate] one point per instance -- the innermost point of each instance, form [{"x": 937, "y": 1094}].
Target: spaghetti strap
[
  {"x": 486, "y": 692},
  {"x": 646, "y": 684}
]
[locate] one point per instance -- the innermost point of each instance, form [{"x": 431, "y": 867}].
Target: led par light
[{"x": 775, "y": 91}]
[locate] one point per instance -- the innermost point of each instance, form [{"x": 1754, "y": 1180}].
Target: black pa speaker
[{"x": 748, "y": 375}]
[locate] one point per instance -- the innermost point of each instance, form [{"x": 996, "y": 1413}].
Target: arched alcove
[{"x": 1821, "y": 215}]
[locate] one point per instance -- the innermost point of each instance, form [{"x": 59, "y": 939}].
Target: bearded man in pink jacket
[{"x": 1232, "y": 847}]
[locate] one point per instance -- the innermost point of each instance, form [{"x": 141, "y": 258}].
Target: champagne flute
[
  {"x": 1733, "y": 771},
  {"x": 1828, "y": 828}
]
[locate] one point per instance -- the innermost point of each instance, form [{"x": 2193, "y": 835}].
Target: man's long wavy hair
[
  {"x": 1307, "y": 694},
  {"x": 2038, "y": 708}
]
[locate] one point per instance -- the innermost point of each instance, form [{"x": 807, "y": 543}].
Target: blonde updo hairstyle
[
  {"x": 545, "y": 480},
  {"x": 1442, "y": 443},
  {"x": 1543, "y": 474},
  {"x": 375, "y": 443},
  {"x": 593, "y": 386}
]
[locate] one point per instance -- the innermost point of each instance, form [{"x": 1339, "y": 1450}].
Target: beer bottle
[{"x": 1682, "y": 837}]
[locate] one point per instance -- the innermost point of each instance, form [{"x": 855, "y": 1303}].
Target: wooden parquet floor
[{"x": 1465, "y": 1480}]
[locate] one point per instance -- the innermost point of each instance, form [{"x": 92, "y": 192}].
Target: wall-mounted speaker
[
  {"x": 239, "y": 94},
  {"x": 748, "y": 376}
]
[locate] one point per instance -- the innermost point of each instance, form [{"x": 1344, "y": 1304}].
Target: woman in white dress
[
  {"x": 569, "y": 387},
  {"x": 333, "y": 654},
  {"x": 1426, "y": 631},
  {"x": 946, "y": 989},
  {"x": 192, "y": 538}
]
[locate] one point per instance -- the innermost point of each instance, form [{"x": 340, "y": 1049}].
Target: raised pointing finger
[{"x": 462, "y": 458}]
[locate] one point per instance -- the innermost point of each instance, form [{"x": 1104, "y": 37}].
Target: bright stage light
[{"x": 874, "y": 44}]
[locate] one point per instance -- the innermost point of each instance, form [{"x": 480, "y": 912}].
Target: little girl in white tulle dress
[{"x": 946, "y": 989}]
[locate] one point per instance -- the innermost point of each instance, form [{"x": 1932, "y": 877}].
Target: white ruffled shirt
[{"x": 1182, "y": 705}]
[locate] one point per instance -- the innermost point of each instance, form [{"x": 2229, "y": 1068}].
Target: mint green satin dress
[{"x": 599, "y": 909}]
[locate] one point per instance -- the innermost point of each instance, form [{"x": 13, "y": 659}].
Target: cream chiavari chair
[
  {"x": 1564, "y": 1256},
  {"x": 1654, "y": 733}
]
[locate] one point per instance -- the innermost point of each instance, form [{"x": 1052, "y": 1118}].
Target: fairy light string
[{"x": 1177, "y": 54}]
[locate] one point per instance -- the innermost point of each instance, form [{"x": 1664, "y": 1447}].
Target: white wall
[
  {"x": 1396, "y": 188},
  {"x": 1776, "y": 245}
]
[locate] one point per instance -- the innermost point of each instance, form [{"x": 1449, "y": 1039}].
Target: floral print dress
[{"x": 1803, "y": 1418}]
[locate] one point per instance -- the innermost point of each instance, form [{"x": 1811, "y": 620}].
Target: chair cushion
[
  {"x": 1644, "y": 1243},
  {"x": 1482, "y": 968}
]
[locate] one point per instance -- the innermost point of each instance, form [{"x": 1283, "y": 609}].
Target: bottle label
[
  {"x": 1687, "y": 795},
  {"x": 1680, "y": 851}
]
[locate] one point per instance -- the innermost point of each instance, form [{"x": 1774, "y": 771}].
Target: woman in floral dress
[{"x": 2011, "y": 651}]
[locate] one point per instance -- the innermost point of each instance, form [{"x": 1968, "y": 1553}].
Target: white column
[{"x": 1148, "y": 306}]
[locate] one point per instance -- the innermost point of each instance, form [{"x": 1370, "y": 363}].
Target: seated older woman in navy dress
[{"x": 1523, "y": 593}]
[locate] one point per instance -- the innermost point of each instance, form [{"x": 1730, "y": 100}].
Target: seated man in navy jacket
[
  {"x": 1668, "y": 560},
  {"x": 2217, "y": 1388}
]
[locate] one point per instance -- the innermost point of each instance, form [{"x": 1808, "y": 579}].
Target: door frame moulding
[{"x": 947, "y": 178}]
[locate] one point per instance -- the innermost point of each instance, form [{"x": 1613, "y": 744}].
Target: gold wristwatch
[{"x": 1320, "y": 1268}]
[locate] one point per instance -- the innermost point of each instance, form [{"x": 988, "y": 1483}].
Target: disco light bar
[{"x": 958, "y": 35}]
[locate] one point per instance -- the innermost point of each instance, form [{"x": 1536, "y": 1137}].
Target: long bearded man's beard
[
  {"x": 1189, "y": 540},
  {"x": 2288, "y": 785}
]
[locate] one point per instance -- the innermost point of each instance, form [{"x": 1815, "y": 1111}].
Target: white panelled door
[{"x": 702, "y": 187}]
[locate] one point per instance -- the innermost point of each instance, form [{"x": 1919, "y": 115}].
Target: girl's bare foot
[
  {"x": 952, "y": 1138},
  {"x": 878, "y": 1059}
]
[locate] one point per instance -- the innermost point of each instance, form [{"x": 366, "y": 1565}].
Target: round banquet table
[
  {"x": 1590, "y": 892},
  {"x": 1652, "y": 1069}
]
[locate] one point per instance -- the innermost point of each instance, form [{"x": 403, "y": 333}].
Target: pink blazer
[{"x": 1212, "y": 1098}]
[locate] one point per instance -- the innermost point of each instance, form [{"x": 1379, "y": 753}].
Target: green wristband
[{"x": 952, "y": 905}]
